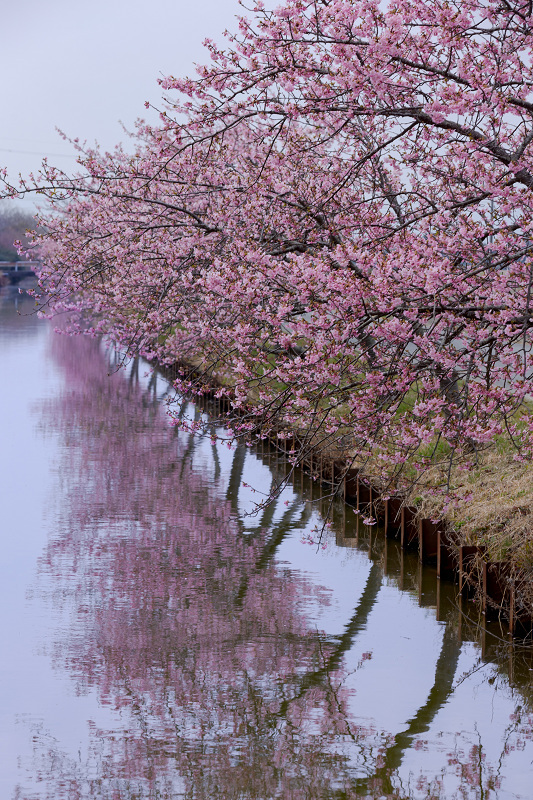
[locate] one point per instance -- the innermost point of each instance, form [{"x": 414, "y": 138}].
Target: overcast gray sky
[{"x": 84, "y": 66}]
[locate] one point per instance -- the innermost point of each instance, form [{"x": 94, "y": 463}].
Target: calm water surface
[{"x": 161, "y": 640}]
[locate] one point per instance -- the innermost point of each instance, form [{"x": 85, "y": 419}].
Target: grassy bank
[{"x": 492, "y": 505}]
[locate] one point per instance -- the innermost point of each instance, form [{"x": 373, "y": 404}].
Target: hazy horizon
[{"x": 87, "y": 69}]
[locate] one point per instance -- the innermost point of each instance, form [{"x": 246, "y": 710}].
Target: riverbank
[{"x": 483, "y": 539}]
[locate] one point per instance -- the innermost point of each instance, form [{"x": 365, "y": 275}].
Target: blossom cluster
[{"x": 337, "y": 212}]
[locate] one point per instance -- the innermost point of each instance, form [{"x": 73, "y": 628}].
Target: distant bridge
[{"x": 16, "y": 271}]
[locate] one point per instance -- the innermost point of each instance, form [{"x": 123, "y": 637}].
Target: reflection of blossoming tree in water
[
  {"x": 188, "y": 623},
  {"x": 188, "y": 626}
]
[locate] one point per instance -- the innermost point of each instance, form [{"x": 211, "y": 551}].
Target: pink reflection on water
[{"x": 177, "y": 618}]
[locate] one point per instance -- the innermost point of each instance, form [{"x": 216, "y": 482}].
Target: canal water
[{"x": 162, "y": 637}]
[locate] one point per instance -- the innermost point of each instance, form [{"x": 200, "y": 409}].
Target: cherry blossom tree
[{"x": 335, "y": 215}]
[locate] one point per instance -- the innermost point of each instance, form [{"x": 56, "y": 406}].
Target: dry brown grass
[{"x": 493, "y": 506}]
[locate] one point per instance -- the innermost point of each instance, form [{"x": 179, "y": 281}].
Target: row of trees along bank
[{"x": 336, "y": 215}]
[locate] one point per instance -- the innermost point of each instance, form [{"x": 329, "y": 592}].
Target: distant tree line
[{"x": 14, "y": 222}]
